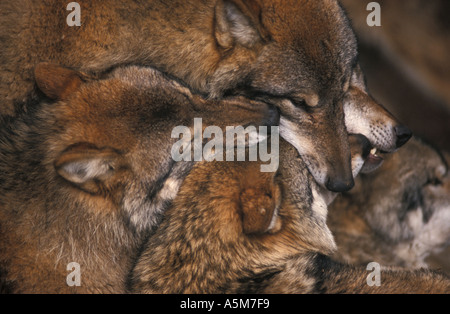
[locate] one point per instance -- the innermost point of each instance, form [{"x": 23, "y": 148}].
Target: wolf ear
[
  {"x": 57, "y": 82},
  {"x": 358, "y": 80},
  {"x": 259, "y": 208},
  {"x": 237, "y": 22},
  {"x": 88, "y": 167}
]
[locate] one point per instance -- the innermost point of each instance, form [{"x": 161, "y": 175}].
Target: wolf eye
[
  {"x": 301, "y": 103},
  {"x": 305, "y": 101}
]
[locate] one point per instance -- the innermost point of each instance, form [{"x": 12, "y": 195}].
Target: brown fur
[
  {"x": 202, "y": 245},
  {"x": 296, "y": 55},
  {"x": 85, "y": 178}
]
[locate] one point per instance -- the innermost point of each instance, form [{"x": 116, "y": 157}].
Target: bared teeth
[{"x": 373, "y": 151}]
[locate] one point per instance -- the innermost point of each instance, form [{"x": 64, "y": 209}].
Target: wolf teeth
[{"x": 373, "y": 151}]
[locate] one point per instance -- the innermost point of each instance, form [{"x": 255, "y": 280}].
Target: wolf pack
[{"x": 87, "y": 174}]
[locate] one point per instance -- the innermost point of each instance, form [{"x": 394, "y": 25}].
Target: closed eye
[
  {"x": 434, "y": 181},
  {"x": 293, "y": 100},
  {"x": 306, "y": 100},
  {"x": 301, "y": 103}
]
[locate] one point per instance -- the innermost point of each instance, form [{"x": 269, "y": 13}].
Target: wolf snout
[
  {"x": 362, "y": 148},
  {"x": 251, "y": 112},
  {"x": 266, "y": 115},
  {"x": 271, "y": 116},
  {"x": 389, "y": 138}
]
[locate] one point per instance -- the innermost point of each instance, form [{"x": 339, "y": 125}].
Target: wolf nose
[
  {"x": 272, "y": 117},
  {"x": 340, "y": 185},
  {"x": 403, "y": 135}
]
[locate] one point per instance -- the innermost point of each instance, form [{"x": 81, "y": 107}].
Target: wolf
[
  {"x": 397, "y": 215},
  {"x": 233, "y": 229},
  {"x": 84, "y": 178},
  {"x": 299, "y": 56}
]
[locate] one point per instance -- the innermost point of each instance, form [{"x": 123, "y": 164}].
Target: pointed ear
[
  {"x": 237, "y": 22},
  {"x": 259, "y": 208},
  {"x": 358, "y": 80},
  {"x": 87, "y": 167},
  {"x": 57, "y": 82}
]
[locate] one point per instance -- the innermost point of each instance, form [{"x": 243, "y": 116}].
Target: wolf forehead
[
  {"x": 130, "y": 91},
  {"x": 319, "y": 44}
]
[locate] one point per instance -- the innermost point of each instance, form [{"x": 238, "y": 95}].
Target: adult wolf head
[{"x": 304, "y": 61}]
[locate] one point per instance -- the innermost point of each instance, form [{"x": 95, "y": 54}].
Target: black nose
[
  {"x": 339, "y": 185},
  {"x": 403, "y": 135},
  {"x": 272, "y": 117}
]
